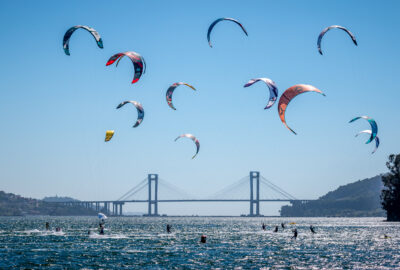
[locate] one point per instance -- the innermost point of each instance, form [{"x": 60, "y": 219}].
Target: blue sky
[{"x": 55, "y": 108}]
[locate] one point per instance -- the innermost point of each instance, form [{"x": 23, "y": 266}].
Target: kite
[
  {"x": 137, "y": 61},
  {"x": 139, "y": 108},
  {"x": 109, "y": 135},
  {"x": 289, "y": 94},
  {"x": 321, "y": 35},
  {"x": 374, "y": 126},
  {"x": 222, "y": 19},
  {"x": 101, "y": 216},
  {"x": 70, "y": 31},
  {"x": 273, "y": 90},
  {"x": 194, "y": 139},
  {"x": 377, "y": 142},
  {"x": 170, "y": 91}
]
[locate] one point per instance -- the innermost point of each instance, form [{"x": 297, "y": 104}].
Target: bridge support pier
[
  {"x": 117, "y": 208},
  {"x": 152, "y": 202},
  {"x": 254, "y": 176}
]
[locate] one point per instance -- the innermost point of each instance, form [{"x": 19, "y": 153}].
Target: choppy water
[{"x": 141, "y": 243}]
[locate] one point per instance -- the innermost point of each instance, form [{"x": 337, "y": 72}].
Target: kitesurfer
[
  {"x": 203, "y": 239},
  {"x": 47, "y": 226},
  {"x": 312, "y": 229},
  {"x": 263, "y": 226},
  {"x": 276, "y": 229},
  {"x": 101, "y": 229},
  {"x": 283, "y": 225},
  {"x": 168, "y": 228},
  {"x": 294, "y": 234},
  {"x": 58, "y": 229}
]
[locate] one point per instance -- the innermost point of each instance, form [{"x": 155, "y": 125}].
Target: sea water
[{"x": 142, "y": 243}]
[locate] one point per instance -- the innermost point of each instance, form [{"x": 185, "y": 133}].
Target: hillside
[
  {"x": 59, "y": 199},
  {"x": 358, "y": 199},
  {"x": 15, "y": 205}
]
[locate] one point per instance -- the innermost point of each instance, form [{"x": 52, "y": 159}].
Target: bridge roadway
[
  {"x": 152, "y": 198},
  {"x": 117, "y": 205},
  {"x": 186, "y": 200}
]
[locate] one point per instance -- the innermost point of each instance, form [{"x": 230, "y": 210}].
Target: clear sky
[{"x": 55, "y": 109}]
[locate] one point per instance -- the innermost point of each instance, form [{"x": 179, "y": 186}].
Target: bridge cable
[
  {"x": 138, "y": 190},
  {"x": 229, "y": 188},
  {"x": 277, "y": 189},
  {"x": 131, "y": 190},
  {"x": 179, "y": 191}
]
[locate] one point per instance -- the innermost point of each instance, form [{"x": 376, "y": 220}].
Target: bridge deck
[{"x": 191, "y": 200}]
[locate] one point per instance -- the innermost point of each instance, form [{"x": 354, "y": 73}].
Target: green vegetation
[
  {"x": 15, "y": 205},
  {"x": 59, "y": 199},
  {"x": 358, "y": 199},
  {"x": 391, "y": 193}
]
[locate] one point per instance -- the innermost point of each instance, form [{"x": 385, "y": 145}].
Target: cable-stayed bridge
[{"x": 153, "y": 190}]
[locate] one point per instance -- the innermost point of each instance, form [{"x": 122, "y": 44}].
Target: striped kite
[
  {"x": 219, "y": 20},
  {"x": 374, "y": 126},
  {"x": 321, "y": 35},
  {"x": 170, "y": 91},
  {"x": 137, "y": 61},
  {"x": 194, "y": 139},
  {"x": 377, "y": 142},
  {"x": 273, "y": 90},
  {"x": 139, "y": 108},
  {"x": 70, "y": 31}
]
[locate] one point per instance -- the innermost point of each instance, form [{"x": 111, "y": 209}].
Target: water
[{"x": 141, "y": 243}]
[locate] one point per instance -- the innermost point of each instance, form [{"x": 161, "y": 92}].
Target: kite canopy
[
  {"x": 194, "y": 139},
  {"x": 321, "y": 35},
  {"x": 273, "y": 90},
  {"x": 170, "y": 91},
  {"x": 137, "y": 61},
  {"x": 374, "y": 126},
  {"x": 139, "y": 110},
  {"x": 109, "y": 135},
  {"x": 377, "y": 142},
  {"x": 219, "y": 20},
  {"x": 70, "y": 31},
  {"x": 291, "y": 93},
  {"x": 101, "y": 216}
]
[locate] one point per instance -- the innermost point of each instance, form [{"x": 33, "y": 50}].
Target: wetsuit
[
  {"x": 263, "y": 226},
  {"x": 294, "y": 234},
  {"x": 203, "y": 239},
  {"x": 312, "y": 229},
  {"x": 168, "y": 228},
  {"x": 276, "y": 229}
]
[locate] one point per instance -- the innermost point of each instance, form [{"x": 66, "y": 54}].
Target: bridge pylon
[
  {"x": 254, "y": 177},
  {"x": 153, "y": 194}
]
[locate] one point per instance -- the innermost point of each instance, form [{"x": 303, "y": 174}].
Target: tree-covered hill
[
  {"x": 358, "y": 199},
  {"x": 15, "y": 205},
  {"x": 59, "y": 199}
]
